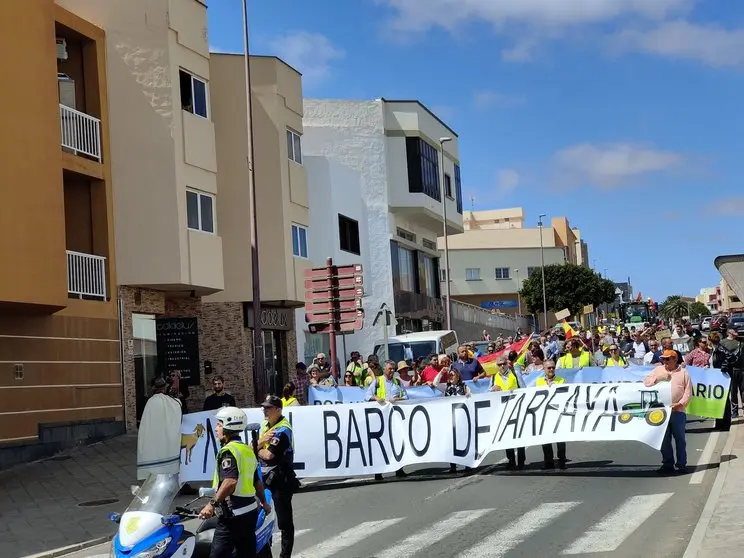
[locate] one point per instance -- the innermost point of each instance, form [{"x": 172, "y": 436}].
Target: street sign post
[{"x": 333, "y": 302}]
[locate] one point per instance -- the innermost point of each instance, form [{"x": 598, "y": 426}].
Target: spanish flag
[
  {"x": 568, "y": 330},
  {"x": 488, "y": 362}
]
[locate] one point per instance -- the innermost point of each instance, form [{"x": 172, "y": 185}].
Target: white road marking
[
  {"x": 347, "y": 539},
  {"x": 464, "y": 481},
  {"x": 518, "y": 531},
  {"x": 710, "y": 445},
  {"x": 618, "y": 525},
  {"x": 432, "y": 534},
  {"x": 278, "y": 535}
]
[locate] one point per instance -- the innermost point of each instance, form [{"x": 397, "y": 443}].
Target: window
[
  {"x": 405, "y": 269},
  {"x": 348, "y": 234},
  {"x": 193, "y": 94},
  {"x": 458, "y": 189},
  {"x": 428, "y": 244},
  {"x": 299, "y": 241},
  {"x": 404, "y": 234},
  {"x": 423, "y": 168},
  {"x": 430, "y": 277},
  {"x": 472, "y": 274},
  {"x": 531, "y": 270},
  {"x": 442, "y": 275},
  {"x": 200, "y": 211},
  {"x": 448, "y": 186},
  {"x": 294, "y": 146},
  {"x": 501, "y": 273}
]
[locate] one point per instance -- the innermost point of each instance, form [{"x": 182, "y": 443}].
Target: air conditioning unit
[{"x": 61, "y": 48}]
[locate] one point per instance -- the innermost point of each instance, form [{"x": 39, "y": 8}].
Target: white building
[{"x": 375, "y": 199}]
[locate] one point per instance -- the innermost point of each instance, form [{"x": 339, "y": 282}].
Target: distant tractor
[{"x": 649, "y": 408}]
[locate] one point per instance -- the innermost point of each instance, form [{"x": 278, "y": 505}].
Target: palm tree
[{"x": 673, "y": 307}]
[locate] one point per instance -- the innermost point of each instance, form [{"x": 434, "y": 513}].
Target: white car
[{"x": 705, "y": 324}]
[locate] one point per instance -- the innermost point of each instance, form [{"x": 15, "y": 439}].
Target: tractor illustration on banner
[{"x": 649, "y": 409}]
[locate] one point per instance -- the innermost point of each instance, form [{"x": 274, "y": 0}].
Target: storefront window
[{"x": 145, "y": 356}]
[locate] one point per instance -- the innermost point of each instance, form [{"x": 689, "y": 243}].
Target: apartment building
[
  {"x": 496, "y": 253},
  {"x": 376, "y": 199},
  {"x": 711, "y": 297},
  {"x": 60, "y": 378},
  {"x": 168, "y": 239},
  {"x": 283, "y": 220}
]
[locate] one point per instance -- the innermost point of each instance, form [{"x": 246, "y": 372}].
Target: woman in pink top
[{"x": 670, "y": 371}]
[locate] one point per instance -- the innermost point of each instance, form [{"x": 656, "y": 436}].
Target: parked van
[{"x": 420, "y": 344}]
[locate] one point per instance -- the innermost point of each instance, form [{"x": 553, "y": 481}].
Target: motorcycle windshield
[{"x": 156, "y": 495}]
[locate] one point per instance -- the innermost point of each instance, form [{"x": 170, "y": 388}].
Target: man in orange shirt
[{"x": 670, "y": 371}]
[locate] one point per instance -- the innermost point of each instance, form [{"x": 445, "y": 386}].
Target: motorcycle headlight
[{"x": 156, "y": 550}]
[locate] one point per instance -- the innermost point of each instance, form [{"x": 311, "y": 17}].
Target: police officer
[
  {"x": 237, "y": 485},
  {"x": 276, "y": 454}
]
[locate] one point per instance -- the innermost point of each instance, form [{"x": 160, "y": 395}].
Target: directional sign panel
[{"x": 333, "y": 296}]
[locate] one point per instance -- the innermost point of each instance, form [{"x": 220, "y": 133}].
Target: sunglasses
[{"x": 550, "y": 368}]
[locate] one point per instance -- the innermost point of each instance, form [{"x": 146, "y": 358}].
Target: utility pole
[
  {"x": 447, "y": 287},
  {"x": 259, "y": 377},
  {"x": 542, "y": 268}
]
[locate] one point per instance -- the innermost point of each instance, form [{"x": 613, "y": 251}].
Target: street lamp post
[
  {"x": 259, "y": 379},
  {"x": 447, "y": 291},
  {"x": 519, "y": 296},
  {"x": 542, "y": 269}
]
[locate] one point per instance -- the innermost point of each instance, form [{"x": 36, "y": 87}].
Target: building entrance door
[{"x": 274, "y": 365}]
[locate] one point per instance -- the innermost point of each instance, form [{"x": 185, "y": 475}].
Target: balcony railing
[
  {"x": 86, "y": 275},
  {"x": 475, "y": 315},
  {"x": 81, "y": 133}
]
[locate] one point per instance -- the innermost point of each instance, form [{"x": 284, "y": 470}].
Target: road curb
[
  {"x": 698, "y": 535},
  {"x": 66, "y": 550}
]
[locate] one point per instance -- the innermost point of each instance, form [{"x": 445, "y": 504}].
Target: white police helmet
[{"x": 232, "y": 419}]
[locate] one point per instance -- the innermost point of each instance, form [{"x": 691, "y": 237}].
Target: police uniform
[
  {"x": 238, "y": 514},
  {"x": 510, "y": 382},
  {"x": 278, "y": 473}
]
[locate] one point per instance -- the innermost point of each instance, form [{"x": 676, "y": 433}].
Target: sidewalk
[
  {"x": 719, "y": 531},
  {"x": 46, "y": 505}
]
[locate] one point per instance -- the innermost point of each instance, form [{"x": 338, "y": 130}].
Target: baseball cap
[
  {"x": 669, "y": 354},
  {"x": 272, "y": 401}
]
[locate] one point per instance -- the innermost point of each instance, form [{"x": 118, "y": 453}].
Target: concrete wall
[
  {"x": 344, "y": 148},
  {"x": 281, "y": 183}
]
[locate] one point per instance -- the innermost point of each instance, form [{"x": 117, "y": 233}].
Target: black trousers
[
  {"x": 737, "y": 388},
  {"x": 285, "y": 521},
  {"x": 236, "y": 533},
  {"x": 725, "y": 422},
  {"x": 521, "y": 457},
  {"x": 548, "y": 452}
]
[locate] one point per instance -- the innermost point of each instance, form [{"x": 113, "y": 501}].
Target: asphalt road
[{"x": 609, "y": 500}]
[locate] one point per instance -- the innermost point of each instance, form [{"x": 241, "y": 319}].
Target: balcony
[
  {"x": 86, "y": 276},
  {"x": 81, "y": 133}
]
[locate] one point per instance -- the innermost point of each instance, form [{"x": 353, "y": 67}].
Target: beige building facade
[
  {"x": 282, "y": 196},
  {"x": 496, "y": 252}
]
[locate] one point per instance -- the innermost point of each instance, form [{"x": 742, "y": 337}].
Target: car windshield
[
  {"x": 736, "y": 321},
  {"x": 407, "y": 351},
  {"x": 156, "y": 495}
]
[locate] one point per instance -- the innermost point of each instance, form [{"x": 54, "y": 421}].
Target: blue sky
[{"x": 626, "y": 116}]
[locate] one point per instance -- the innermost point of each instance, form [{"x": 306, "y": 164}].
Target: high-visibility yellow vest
[
  {"x": 543, "y": 381},
  {"x": 247, "y": 464},
  {"x": 507, "y": 384},
  {"x": 612, "y": 362},
  {"x": 567, "y": 361},
  {"x": 288, "y": 401},
  {"x": 382, "y": 390},
  {"x": 282, "y": 424}
]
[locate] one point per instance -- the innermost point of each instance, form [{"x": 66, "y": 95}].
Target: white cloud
[
  {"x": 607, "y": 166},
  {"x": 710, "y": 44},
  {"x": 508, "y": 181},
  {"x": 420, "y": 15},
  {"x": 312, "y": 54},
  {"x": 488, "y": 99},
  {"x": 726, "y": 207}
]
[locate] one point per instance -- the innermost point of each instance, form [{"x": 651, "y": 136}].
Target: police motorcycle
[{"x": 149, "y": 529}]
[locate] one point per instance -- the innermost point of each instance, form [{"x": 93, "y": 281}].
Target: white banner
[{"x": 368, "y": 438}]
